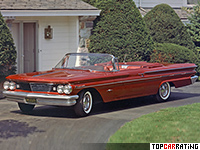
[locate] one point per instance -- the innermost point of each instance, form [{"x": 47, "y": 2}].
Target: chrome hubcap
[
  {"x": 87, "y": 102},
  {"x": 164, "y": 90}
]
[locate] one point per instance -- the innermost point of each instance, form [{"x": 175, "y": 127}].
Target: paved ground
[{"x": 53, "y": 128}]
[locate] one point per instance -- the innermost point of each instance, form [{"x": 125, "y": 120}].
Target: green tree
[
  {"x": 166, "y": 27},
  {"x": 7, "y": 50},
  {"x": 194, "y": 26},
  {"x": 121, "y": 30}
]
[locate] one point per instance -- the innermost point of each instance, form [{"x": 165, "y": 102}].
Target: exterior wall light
[{"x": 48, "y": 32}]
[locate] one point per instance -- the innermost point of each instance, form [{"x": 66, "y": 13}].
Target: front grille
[
  {"x": 40, "y": 87},
  {"x": 35, "y": 87},
  {"x": 24, "y": 86}
]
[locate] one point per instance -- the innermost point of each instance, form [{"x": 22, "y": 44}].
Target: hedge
[{"x": 173, "y": 53}]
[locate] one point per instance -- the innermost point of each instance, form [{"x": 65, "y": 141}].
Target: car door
[
  {"x": 139, "y": 84},
  {"x": 121, "y": 85},
  {"x": 131, "y": 83}
]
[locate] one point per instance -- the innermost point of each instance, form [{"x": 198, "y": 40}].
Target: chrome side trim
[
  {"x": 42, "y": 99},
  {"x": 118, "y": 82},
  {"x": 125, "y": 81},
  {"x": 156, "y": 71},
  {"x": 194, "y": 79}
]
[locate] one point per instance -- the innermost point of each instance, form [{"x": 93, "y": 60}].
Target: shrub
[
  {"x": 166, "y": 27},
  {"x": 121, "y": 30},
  {"x": 7, "y": 50},
  {"x": 194, "y": 26},
  {"x": 173, "y": 53}
]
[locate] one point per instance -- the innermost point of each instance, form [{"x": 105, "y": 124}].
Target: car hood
[{"x": 57, "y": 76}]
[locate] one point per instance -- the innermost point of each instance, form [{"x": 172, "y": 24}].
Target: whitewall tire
[
  {"x": 164, "y": 92},
  {"x": 84, "y": 104}
]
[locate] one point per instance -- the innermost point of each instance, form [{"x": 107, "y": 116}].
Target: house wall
[
  {"x": 152, "y": 3},
  {"x": 65, "y": 39}
]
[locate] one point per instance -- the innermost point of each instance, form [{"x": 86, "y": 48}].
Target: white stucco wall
[{"x": 65, "y": 39}]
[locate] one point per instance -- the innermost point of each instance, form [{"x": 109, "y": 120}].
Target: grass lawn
[{"x": 171, "y": 125}]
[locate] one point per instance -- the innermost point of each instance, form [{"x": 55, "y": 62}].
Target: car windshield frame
[{"x": 89, "y": 61}]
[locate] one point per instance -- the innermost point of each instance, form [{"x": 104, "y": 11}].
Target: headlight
[
  {"x": 9, "y": 85},
  {"x": 6, "y": 85},
  {"x": 67, "y": 89},
  {"x": 60, "y": 89},
  {"x": 12, "y": 86}
]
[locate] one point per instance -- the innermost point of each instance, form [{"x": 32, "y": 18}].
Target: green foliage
[
  {"x": 166, "y": 27},
  {"x": 7, "y": 50},
  {"x": 194, "y": 26},
  {"x": 172, "y": 53},
  {"x": 96, "y": 3},
  {"x": 121, "y": 30},
  {"x": 91, "y": 2}
]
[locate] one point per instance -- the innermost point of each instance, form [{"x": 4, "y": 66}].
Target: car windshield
[{"x": 89, "y": 61}]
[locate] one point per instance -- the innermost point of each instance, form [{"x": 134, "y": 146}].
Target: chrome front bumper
[
  {"x": 194, "y": 79},
  {"x": 41, "y": 99}
]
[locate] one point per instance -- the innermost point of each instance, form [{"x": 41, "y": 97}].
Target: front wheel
[
  {"x": 84, "y": 104},
  {"x": 164, "y": 92},
  {"x": 26, "y": 108}
]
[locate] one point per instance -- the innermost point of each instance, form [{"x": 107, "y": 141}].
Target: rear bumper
[
  {"x": 194, "y": 79},
  {"x": 41, "y": 99}
]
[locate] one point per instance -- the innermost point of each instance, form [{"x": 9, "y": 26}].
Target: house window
[{"x": 192, "y": 1}]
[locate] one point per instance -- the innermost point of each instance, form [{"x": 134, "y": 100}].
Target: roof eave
[{"x": 31, "y": 13}]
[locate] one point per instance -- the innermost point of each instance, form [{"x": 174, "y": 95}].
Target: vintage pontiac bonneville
[{"x": 81, "y": 79}]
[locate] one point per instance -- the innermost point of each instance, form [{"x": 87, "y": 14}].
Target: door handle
[
  {"x": 141, "y": 74},
  {"x": 109, "y": 90}
]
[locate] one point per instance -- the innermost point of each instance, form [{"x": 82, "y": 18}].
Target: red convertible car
[{"x": 81, "y": 79}]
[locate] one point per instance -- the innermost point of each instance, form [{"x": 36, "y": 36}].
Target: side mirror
[{"x": 115, "y": 64}]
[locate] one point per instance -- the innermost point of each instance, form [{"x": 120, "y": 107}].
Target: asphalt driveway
[{"x": 58, "y": 128}]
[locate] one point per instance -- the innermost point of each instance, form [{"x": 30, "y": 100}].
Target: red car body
[{"x": 116, "y": 81}]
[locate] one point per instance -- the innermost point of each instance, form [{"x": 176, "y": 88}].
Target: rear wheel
[
  {"x": 164, "y": 92},
  {"x": 84, "y": 104},
  {"x": 26, "y": 108}
]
